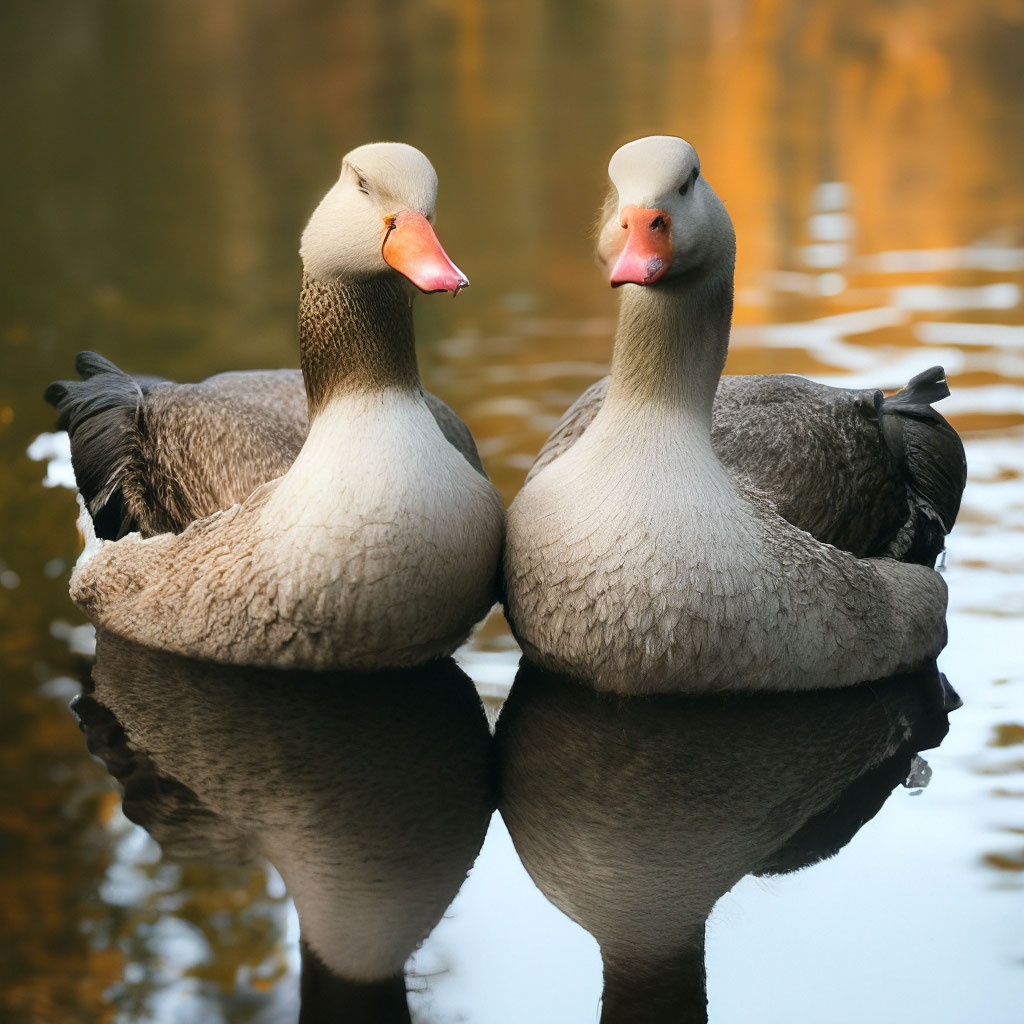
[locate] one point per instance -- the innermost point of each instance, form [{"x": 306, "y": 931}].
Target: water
[{"x": 160, "y": 164}]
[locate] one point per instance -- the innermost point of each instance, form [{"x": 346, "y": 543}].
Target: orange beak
[
  {"x": 648, "y": 252},
  {"x": 412, "y": 248}
]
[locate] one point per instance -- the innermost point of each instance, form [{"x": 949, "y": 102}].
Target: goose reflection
[
  {"x": 370, "y": 793},
  {"x": 635, "y": 814}
]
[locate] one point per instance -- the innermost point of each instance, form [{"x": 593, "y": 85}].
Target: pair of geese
[
  {"x": 679, "y": 536},
  {"x": 679, "y": 532}
]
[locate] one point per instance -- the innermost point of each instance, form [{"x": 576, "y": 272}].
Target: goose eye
[
  {"x": 357, "y": 176},
  {"x": 685, "y": 187}
]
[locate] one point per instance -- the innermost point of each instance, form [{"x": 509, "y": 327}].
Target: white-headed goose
[
  {"x": 636, "y": 560},
  {"x": 378, "y": 547}
]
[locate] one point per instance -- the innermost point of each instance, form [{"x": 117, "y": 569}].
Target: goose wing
[{"x": 152, "y": 456}]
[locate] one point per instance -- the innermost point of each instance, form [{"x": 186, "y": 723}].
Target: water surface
[{"x": 160, "y": 163}]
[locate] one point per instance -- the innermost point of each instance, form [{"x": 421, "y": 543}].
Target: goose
[
  {"x": 636, "y": 560},
  {"x": 634, "y": 814},
  {"x": 868, "y": 473},
  {"x": 369, "y": 792},
  {"x": 377, "y": 543}
]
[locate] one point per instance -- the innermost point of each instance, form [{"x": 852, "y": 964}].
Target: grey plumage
[
  {"x": 151, "y": 455},
  {"x": 869, "y": 474},
  {"x": 640, "y": 561}
]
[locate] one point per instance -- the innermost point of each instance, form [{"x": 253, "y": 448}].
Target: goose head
[
  {"x": 662, "y": 219},
  {"x": 377, "y": 220}
]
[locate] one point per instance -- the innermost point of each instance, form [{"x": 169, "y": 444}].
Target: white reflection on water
[
  {"x": 166, "y": 952},
  {"x": 80, "y": 638},
  {"x": 987, "y": 554},
  {"x": 834, "y": 341},
  {"x": 972, "y": 257},
  {"x": 942, "y": 298},
  {"x": 937, "y": 332},
  {"x": 55, "y": 450}
]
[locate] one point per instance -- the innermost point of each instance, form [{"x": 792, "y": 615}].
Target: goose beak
[
  {"x": 411, "y": 247},
  {"x": 648, "y": 252}
]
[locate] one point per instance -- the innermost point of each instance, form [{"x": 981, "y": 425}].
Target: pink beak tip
[{"x": 629, "y": 270}]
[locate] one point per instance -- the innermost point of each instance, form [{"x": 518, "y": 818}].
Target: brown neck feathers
[{"x": 355, "y": 337}]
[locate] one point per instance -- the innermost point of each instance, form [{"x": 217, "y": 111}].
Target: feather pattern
[{"x": 151, "y": 455}]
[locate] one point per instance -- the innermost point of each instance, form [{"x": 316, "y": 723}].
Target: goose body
[
  {"x": 869, "y": 474},
  {"x": 634, "y": 559},
  {"x": 377, "y": 546},
  {"x": 294, "y": 577}
]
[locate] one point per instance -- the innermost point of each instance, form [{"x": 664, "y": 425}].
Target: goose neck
[
  {"x": 671, "y": 344},
  {"x": 355, "y": 336}
]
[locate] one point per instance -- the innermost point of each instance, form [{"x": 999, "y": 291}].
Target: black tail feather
[
  {"x": 931, "y": 455},
  {"x": 100, "y": 414},
  {"x": 921, "y": 390},
  {"x": 88, "y": 364}
]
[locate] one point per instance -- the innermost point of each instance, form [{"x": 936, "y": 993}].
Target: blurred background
[{"x": 160, "y": 161}]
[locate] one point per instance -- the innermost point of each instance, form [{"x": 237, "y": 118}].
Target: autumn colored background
[{"x": 159, "y": 162}]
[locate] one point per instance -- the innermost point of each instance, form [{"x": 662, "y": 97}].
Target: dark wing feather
[
  {"x": 817, "y": 452},
  {"x": 100, "y": 414},
  {"x": 931, "y": 458},
  {"x": 152, "y": 456}
]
